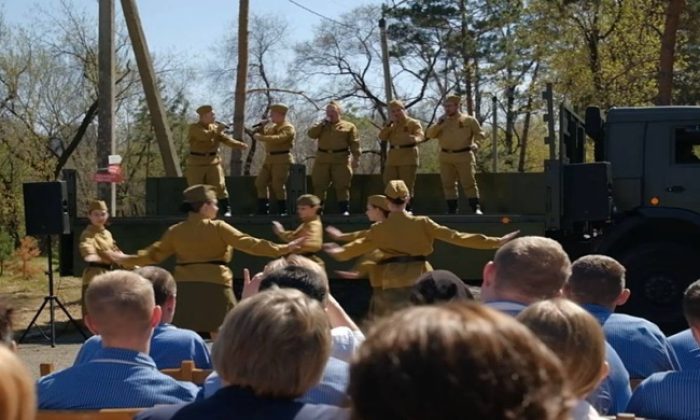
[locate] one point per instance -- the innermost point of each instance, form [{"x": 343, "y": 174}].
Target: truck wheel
[{"x": 657, "y": 274}]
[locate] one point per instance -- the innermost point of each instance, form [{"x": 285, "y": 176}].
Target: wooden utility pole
[
  {"x": 668, "y": 45},
  {"x": 241, "y": 79},
  {"x": 387, "y": 82},
  {"x": 105, "y": 116},
  {"x": 148, "y": 79}
]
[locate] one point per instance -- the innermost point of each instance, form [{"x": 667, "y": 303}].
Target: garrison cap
[
  {"x": 378, "y": 201},
  {"x": 204, "y": 109},
  {"x": 396, "y": 189},
  {"x": 199, "y": 193},
  {"x": 335, "y": 105},
  {"x": 281, "y": 108},
  {"x": 97, "y": 205},
  {"x": 396, "y": 104},
  {"x": 455, "y": 99},
  {"x": 308, "y": 200}
]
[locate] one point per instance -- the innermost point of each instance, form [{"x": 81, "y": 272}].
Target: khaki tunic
[
  {"x": 332, "y": 165},
  {"x": 366, "y": 266},
  {"x": 277, "y": 138},
  {"x": 95, "y": 241},
  {"x": 203, "y": 248},
  {"x": 204, "y": 162},
  {"x": 456, "y": 133},
  {"x": 312, "y": 230},
  {"x": 402, "y": 161}
]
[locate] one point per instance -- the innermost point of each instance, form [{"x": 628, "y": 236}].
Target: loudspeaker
[
  {"x": 46, "y": 208},
  {"x": 296, "y": 186}
]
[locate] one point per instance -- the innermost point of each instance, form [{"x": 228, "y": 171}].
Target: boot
[
  {"x": 282, "y": 207},
  {"x": 344, "y": 208},
  {"x": 451, "y": 206},
  {"x": 474, "y": 204},
  {"x": 224, "y": 208},
  {"x": 263, "y": 206}
]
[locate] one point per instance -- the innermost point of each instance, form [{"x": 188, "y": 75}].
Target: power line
[{"x": 319, "y": 14}]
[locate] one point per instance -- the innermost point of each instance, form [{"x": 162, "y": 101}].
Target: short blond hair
[
  {"x": 120, "y": 302},
  {"x": 574, "y": 335},
  {"x": 532, "y": 266},
  {"x": 17, "y": 394},
  {"x": 276, "y": 342}
]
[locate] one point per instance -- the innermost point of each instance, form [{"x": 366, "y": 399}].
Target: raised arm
[
  {"x": 253, "y": 246},
  {"x": 229, "y": 141},
  {"x": 385, "y": 132},
  {"x": 315, "y": 131},
  {"x": 354, "y": 143},
  {"x": 415, "y": 130},
  {"x": 285, "y": 134},
  {"x": 153, "y": 254},
  {"x": 434, "y": 130},
  {"x": 463, "y": 239},
  {"x": 351, "y": 250}
]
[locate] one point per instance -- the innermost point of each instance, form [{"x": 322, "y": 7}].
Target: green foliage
[{"x": 7, "y": 246}]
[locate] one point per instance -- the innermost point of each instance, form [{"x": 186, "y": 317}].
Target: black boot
[
  {"x": 282, "y": 207},
  {"x": 224, "y": 208},
  {"x": 474, "y": 204},
  {"x": 451, "y": 206},
  {"x": 263, "y": 206},
  {"x": 344, "y": 208}
]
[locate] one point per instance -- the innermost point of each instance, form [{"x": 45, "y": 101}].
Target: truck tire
[{"x": 657, "y": 274}]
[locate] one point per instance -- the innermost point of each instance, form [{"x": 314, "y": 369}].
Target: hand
[
  {"x": 353, "y": 275},
  {"x": 333, "y": 232},
  {"x": 257, "y": 136},
  {"x": 332, "y": 248},
  {"x": 389, "y": 123},
  {"x": 251, "y": 286},
  {"x": 296, "y": 244},
  {"x": 277, "y": 227},
  {"x": 442, "y": 119},
  {"x": 474, "y": 147},
  {"x": 244, "y": 146},
  {"x": 354, "y": 162},
  {"x": 508, "y": 237}
]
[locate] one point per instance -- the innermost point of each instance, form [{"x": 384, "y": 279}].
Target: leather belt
[
  {"x": 280, "y": 152},
  {"x": 466, "y": 149},
  {"x": 403, "y": 146},
  {"x": 204, "y": 154},
  {"x": 402, "y": 259},
  {"x": 100, "y": 265},
  {"x": 333, "y": 150},
  {"x": 203, "y": 262}
]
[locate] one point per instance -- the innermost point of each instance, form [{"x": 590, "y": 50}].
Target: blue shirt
[
  {"x": 113, "y": 378},
  {"x": 330, "y": 390},
  {"x": 686, "y": 349},
  {"x": 614, "y": 391},
  {"x": 169, "y": 347},
  {"x": 668, "y": 395}
]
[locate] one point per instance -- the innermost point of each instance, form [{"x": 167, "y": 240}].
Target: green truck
[{"x": 637, "y": 199}]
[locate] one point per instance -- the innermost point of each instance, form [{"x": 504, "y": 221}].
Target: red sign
[{"x": 113, "y": 175}]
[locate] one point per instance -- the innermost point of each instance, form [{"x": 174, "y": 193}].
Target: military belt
[
  {"x": 333, "y": 150},
  {"x": 403, "y": 146},
  {"x": 402, "y": 259},
  {"x": 466, "y": 149},
  {"x": 100, "y": 265},
  {"x": 281, "y": 152},
  {"x": 203, "y": 262},
  {"x": 204, "y": 154}
]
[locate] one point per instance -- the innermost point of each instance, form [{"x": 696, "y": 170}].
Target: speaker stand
[{"x": 52, "y": 300}]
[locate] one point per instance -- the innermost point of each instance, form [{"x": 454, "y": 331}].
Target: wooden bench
[
  {"x": 104, "y": 414},
  {"x": 188, "y": 373}
]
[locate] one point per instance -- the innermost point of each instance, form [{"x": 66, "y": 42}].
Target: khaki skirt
[
  {"x": 387, "y": 301},
  {"x": 202, "y": 306}
]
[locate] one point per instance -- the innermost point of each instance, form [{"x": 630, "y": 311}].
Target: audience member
[
  {"x": 271, "y": 349},
  {"x": 686, "y": 349},
  {"x": 121, "y": 308},
  {"x": 460, "y": 360},
  {"x": 439, "y": 286},
  {"x": 17, "y": 395},
  {"x": 532, "y": 268},
  {"x": 673, "y": 395},
  {"x": 597, "y": 283},
  {"x": 169, "y": 345},
  {"x": 6, "y": 325},
  {"x": 577, "y": 338}
]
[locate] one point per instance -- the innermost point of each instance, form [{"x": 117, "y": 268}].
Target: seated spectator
[
  {"x": 271, "y": 349},
  {"x": 597, "y": 283},
  {"x": 686, "y": 349},
  {"x": 6, "y": 326},
  {"x": 673, "y": 395},
  {"x": 530, "y": 269},
  {"x": 17, "y": 397},
  {"x": 170, "y": 345},
  {"x": 121, "y": 308},
  {"x": 460, "y": 360},
  {"x": 439, "y": 286},
  {"x": 577, "y": 338}
]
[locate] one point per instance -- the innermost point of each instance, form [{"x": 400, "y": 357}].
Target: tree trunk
[
  {"x": 510, "y": 118},
  {"x": 241, "y": 79},
  {"x": 466, "y": 38},
  {"x": 668, "y": 45}
]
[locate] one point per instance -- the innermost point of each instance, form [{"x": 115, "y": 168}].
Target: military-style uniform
[
  {"x": 203, "y": 250},
  {"x": 336, "y": 141},
  {"x": 278, "y": 140},
  {"x": 457, "y": 136},
  {"x": 402, "y": 159},
  {"x": 95, "y": 240},
  {"x": 204, "y": 162},
  {"x": 311, "y": 229},
  {"x": 405, "y": 242}
]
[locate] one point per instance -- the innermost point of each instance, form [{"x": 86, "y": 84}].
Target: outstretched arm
[{"x": 466, "y": 240}]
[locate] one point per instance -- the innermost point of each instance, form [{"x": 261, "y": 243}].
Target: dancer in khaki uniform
[
  {"x": 278, "y": 139},
  {"x": 405, "y": 241},
  {"x": 338, "y": 154},
  {"x": 458, "y": 135},
  {"x": 311, "y": 228},
  {"x": 204, "y": 162}
]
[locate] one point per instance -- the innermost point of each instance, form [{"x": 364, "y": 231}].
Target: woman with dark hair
[{"x": 203, "y": 248}]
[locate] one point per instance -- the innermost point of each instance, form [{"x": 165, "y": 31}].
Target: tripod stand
[{"x": 52, "y": 300}]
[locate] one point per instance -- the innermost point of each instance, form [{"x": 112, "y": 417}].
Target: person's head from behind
[
  {"x": 397, "y": 195},
  {"x": 276, "y": 343},
  {"x": 455, "y": 360},
  {"x": 164, "y": 289},
  {"x": 313, "y": 283},
  {"x": 526, "y": 270},
  {"x": 7, "y": 325},
  {"x": 597, "y": 280},
  {"x": 691, "y": 308},
  {"x": 121, "y": 308},
  {"x": 439, "y": 286},
  {"x": 575, "y": 336},
  {"x": 17, "y": 394}
]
